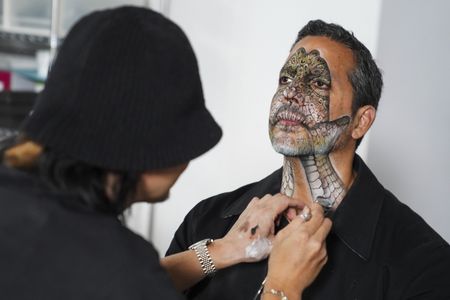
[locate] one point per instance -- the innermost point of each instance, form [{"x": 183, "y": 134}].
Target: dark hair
[
  {"x": 86, "y": 182},
  {"x": 366, "y": 78}
]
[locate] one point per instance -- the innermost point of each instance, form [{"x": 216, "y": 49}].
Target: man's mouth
[{"x": 287, "y": 117}]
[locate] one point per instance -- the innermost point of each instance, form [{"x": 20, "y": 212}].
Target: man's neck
[{"x": 318, "y": 178}]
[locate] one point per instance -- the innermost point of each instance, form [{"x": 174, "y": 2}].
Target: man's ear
[{"x": 363, "y": 120}]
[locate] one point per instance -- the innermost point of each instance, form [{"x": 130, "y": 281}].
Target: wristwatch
[{"x": 201, "y": 250}]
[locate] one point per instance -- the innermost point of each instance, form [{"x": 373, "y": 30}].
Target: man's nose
[{"x": 290, "y": 92}]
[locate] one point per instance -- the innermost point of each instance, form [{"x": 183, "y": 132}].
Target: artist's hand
[
  {"x": 298, "y": 253},
  {"x": 250, "y": 238}
]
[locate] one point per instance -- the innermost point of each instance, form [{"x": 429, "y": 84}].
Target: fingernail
[{"x": 306, "y": 209}]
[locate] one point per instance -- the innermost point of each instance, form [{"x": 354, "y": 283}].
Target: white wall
[
  {"x": 241, "y": 45},
  {"x": 410, "y": 141}
]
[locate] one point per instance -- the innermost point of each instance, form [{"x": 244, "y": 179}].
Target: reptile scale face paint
[{"x": 301, "y": 129}]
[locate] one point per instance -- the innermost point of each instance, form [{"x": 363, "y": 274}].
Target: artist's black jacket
[
  {"x": 53, "y": 248},
  {"x": 378, "y": 248}
]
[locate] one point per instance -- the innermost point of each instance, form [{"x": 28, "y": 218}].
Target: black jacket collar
[
  {"x": 355, "y": 219},
  {"x": 269, "y": 185}
]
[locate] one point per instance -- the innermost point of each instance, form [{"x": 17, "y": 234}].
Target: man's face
[{"x": 312, "y": 105}]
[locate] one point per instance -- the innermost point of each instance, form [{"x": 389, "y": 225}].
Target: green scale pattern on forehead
[{"x": 302, "y": 64}]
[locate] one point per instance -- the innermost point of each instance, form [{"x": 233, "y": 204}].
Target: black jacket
[
  {"x": 51, "y": 248},
  {"x": 378, "y": 247}
]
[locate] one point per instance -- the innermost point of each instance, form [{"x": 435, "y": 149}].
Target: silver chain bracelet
[{"x": 270, "y": 291}]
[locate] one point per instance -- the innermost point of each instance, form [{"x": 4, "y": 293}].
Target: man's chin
[{"x": 290, "y": 150}]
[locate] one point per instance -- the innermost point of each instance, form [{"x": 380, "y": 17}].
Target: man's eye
[
  {"x": 321, "y": 84},
  {"x": 285, "y": 80}
]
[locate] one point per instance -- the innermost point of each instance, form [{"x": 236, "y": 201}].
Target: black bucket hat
[{"x": 124, "y": 93}]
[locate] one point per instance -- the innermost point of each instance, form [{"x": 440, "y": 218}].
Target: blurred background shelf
[
  {"x": 31, "y": 31},
  {"x": 30, "y": 74}
]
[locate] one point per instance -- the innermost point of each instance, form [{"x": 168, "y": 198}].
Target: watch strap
[{"x": 203, "y": 256}]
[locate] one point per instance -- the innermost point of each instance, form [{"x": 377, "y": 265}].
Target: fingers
[
  {"x": 290, "y": 213},
  {"x": 305, "y": 214},
  {"x": 310, "y": 255},
  {"x": 278, "y": 203},
  {"x": 256, "y": 224},
  {"x": 270, "y": 207},
  {"x": 317, "y": 226},
  {"x": 323, "y": 231},
  {"x": 258, "y": 219},
  {"x": 316, "y": 219}
]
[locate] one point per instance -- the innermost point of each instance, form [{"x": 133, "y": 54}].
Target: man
[{"x": 378, "y": 248}]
